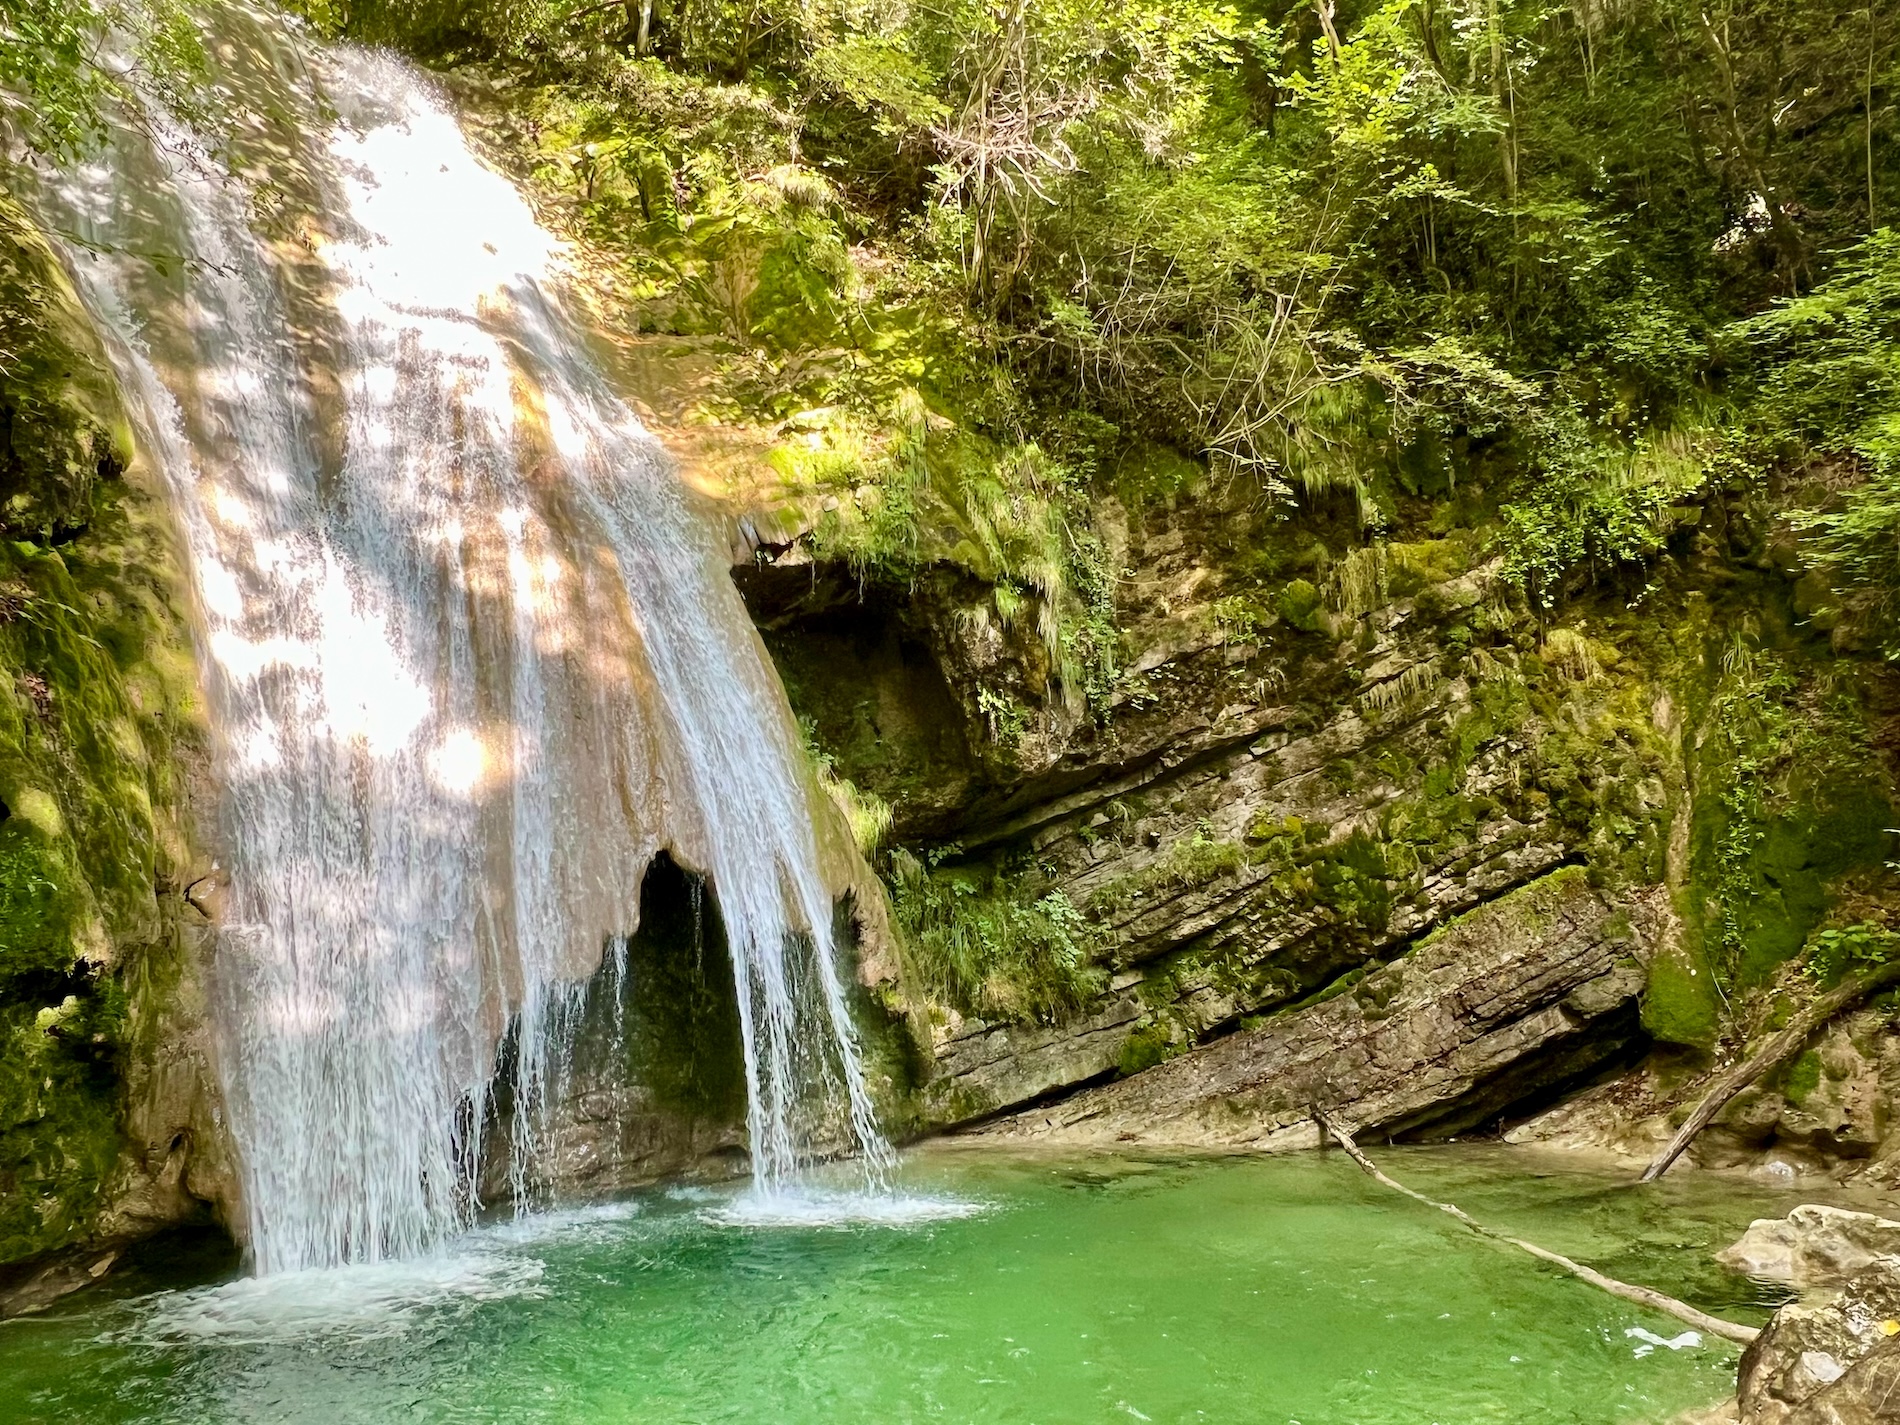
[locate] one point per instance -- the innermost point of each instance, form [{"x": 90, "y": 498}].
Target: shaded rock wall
[
  {"x": 1829, "y": 1111},
  {"x": 657, "y": 1082}
]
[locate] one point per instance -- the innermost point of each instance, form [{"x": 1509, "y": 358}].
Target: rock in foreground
[{"x": 1831, "y": 1360}]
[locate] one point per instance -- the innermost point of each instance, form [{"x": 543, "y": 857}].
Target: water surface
[{"x": 1004, "y": 1288}]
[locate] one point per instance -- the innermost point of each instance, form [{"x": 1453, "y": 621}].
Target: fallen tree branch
[
  {"x": 1771, "y": 1056},
  {"x": 1641, "y": 1295}
]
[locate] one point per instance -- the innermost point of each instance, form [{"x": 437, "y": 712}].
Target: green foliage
[
  {"x": 1596, "y": 505},
  {"x": 59, "y": 1130},
  {"x": 1353, "y": 880},
  {"x": 865, "y": 812},
  {"x": 1795, "y": 804},
  {"x": 1003, "y": 716},
  {"x": 921, "y": 492},
  {"x": 1188, "y": 863},
  {"x": 43, "y": 910},
  {"x": 1824, "y": 370},
  {"x": 1835, "y": 953},
  {"x": 694, "y": 211},
  {"x": 57, "y": 74},
  {"x": 1387, "y": 252},
  {"x": 980, "y": 264},
  {"x": 1827, "y": 364},
  {"x": 998, "y": 944},
  {"x": 60, "y": 432},
  {"x": 1241, "y": 619}
]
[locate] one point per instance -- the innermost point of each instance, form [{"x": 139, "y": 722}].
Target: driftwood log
[
  {"x": 1641, "y": 1295},
  {"x": 1771, "y": 1056}
]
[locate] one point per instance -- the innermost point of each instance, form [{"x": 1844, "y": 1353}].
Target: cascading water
[{"x": 471, "y": 651}]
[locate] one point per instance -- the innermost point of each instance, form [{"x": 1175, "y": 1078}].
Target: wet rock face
[
  {"x": 109, "y": 1121},
  {"x": 656, "y": 1084},
  {"x": 173, "y": 1163},
  {"x": 1834, "y": 1362}
]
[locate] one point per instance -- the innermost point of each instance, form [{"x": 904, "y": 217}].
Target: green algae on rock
[{"x": 99, "y": 731}]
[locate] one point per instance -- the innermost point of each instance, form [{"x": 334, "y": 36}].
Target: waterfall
[{"x": 470, "y": 649}]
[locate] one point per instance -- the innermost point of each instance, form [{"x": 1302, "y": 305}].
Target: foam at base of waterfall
[
  {"x": 597, "y": 1220},
  {"x": 373, "y": 1300},
  {"x": 366, "y": 1301},
  {"x": 497, "y": 1263},
  {"x": 819, "y": 1207}
]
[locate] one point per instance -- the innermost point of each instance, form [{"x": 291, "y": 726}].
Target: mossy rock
[
  {"x": 1792, "y": 866},
  {"x": 1801, "y": 1079},
  {"x": 61, "y": 426},
  {"x": 97, "y": 699},
  {"x": 1301, "y": 606},
  {"x": 1146, "y": 1047},
  {"x": 1679, "y": 1003}
]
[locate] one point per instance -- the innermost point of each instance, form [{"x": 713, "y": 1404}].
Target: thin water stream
[{"x": 992, "y": 1288}]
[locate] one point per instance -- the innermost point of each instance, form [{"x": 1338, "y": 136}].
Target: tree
[{"x": 57, "y": 66}]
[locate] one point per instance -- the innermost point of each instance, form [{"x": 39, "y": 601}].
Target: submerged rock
[
  {"x": 34, "y": 1286},
  {"x": 1813, "y": 1246}
]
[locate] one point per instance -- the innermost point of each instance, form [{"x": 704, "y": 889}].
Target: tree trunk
[
  {"x": 1641, "y": 1295},
  {"x": 1325, "y": 8}
]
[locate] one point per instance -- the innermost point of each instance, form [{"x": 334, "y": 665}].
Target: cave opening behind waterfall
[{"x": 654, "y": 1081}]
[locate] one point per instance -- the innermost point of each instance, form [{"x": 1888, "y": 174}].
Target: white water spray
[{"x": 472, "y": 654}]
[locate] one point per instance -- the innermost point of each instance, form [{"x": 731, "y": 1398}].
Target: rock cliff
[{"x": 1333, "y": 789}]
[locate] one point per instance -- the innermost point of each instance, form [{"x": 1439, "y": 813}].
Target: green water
[{"x": 1086, "y": 1289}]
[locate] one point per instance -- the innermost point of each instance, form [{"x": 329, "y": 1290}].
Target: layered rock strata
[{"x": 1518, "y": 999}]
